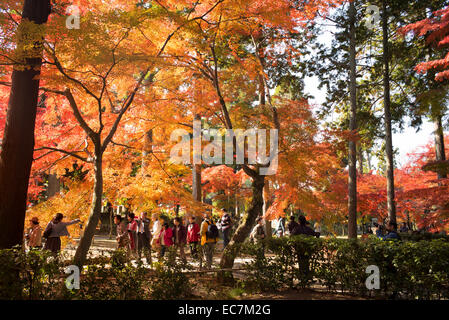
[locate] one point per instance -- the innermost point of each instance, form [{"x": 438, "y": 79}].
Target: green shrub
[
  {"x": 168, "y": 281},
  {"x": 408, "y": 269},
  {"x": 265, "y": 274},
  {"x": 29, "y": 275},
  {"x": 113, "y": 278}
]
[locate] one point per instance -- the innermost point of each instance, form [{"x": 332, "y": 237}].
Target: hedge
[
  {"x": 408, "y": 269},
  {"x": 38, "y": 274}
]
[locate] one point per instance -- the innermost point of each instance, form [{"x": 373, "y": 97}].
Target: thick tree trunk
[
  {"x": 262, "y": 99},
  {"x": 440, "y": 151},
  {"x": 18, "y": 139},
  {"x": 246, "y": 224},
  {"x": 95, "y": 212},
  {"x": 266, "y": 205},
  {"x": 387, "y": 105},
  {"x": 352, "y": 179}
]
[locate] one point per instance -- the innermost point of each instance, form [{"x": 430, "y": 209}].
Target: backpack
[{"x": 212, "y": 231}]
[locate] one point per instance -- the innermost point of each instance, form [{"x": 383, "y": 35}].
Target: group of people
[
  {"x": 53, "y": 232},
  {"x": 136, "y": 236},
  {"x": 389, "y": 232},
  {"x": 301, "y": 227},
  {"x": 140, "y": 235}
]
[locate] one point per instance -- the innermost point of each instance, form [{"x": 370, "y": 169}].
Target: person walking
[
  {"x": 132, "y": 232},
  {"x": 155, "y": 231},
  {"x": 304, "y": 259},
  {"x": 180, "y": 238},
  {"x": 193, "y": 237},
  {"x": 144, "y": 237},
  {"x": 34, "y": 235},
  {"x": 281, "y": 227},
  {"x": 122, "y": 233},
  {"x": 55, "y": 230},
  {"x": 209, "y": 235},
  {"x": 226, "y": 224},
  {"x": 165, "y": 239}
]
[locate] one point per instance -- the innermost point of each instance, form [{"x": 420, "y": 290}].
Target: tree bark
[
  {"x": 18, "y": 139},
  {"x": 95, "y": 211},
  {"x": 368, "y": 160},
  {"x": 387, "y": 105},
  {"x": 352, "y": 179},
  {"x": 266, "y": 206},
  {"x": 440, "y": 151},
  {"x": 360, "y": 159},
  {"x": 246, "y": 224},
  {"x": 53, "y": 185},
  {"x": 196, "y": 173},
  {"x": 147, "y": 149}
]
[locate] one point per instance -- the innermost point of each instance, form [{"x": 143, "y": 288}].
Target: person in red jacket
[
  {"x": 193, "y": 237},
  {"x": 165, "y": 239},
  {"x": 132, "y": 232}
]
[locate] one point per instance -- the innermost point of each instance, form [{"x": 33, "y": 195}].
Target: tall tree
[
  {"x": 18, "y": 140},
  {"x": 391, "y": 204},
  {"x": 352, "y": 179}
]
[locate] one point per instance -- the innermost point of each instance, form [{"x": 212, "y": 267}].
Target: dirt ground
[{"x": 305, "y": 294}]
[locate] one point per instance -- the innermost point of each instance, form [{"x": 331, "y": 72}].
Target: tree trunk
[
  {"x": 53, "y": 185},
  {"x": 95, "y": 212},
  {"x": 196, "y": 172},
  {"x": 246, "y": 224},
  {"x": 352, "y": 179},
  {"x": 236, "y": 204},
  {"x": 440, "y": 151},
  {"x": 266, "y": 206},
  {"x": 360, "y": 159},
  {"x": 368, "y": 160},
  {"x": 147, "y": 149},
  {"x": 387, "y": 105},
  {"x": 18, "y": 139}
]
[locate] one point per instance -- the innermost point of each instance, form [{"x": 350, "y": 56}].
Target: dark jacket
[
  {"x": 144, "y": 227},
  {"x": 291, "y": 226},
  {"x": 303, "y": 229},
  {"x": 392, "y": 235},
  {"x": 181, "y": 233}
]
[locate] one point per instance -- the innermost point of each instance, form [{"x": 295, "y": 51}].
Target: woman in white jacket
[{"x": 156, "y": 230}]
